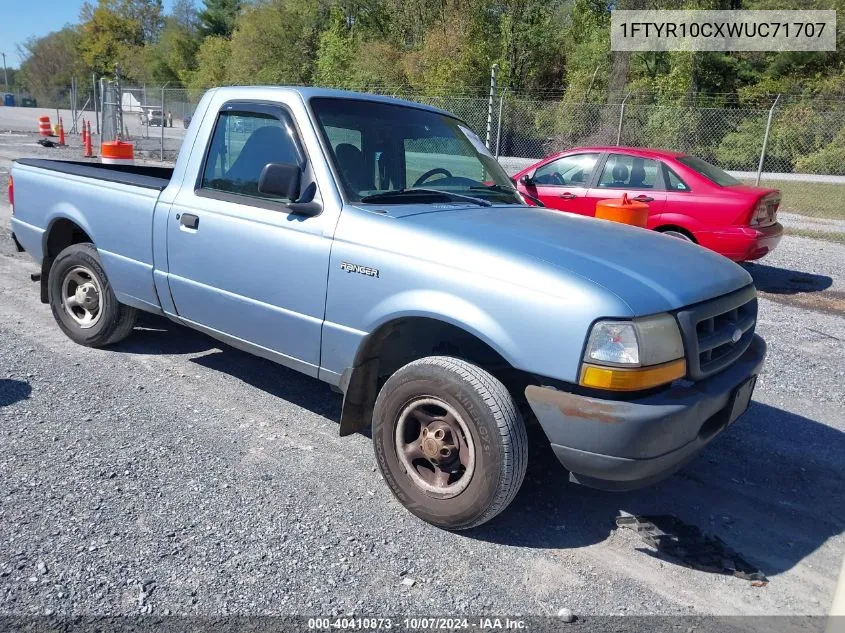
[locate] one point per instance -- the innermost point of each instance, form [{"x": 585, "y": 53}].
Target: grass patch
[
  {"x": 814, "y": 199},
  {"x": 828, "y": 236}
]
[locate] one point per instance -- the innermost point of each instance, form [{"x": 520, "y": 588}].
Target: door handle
[
  {"x": 644, "y": 199},
  {"x": 568, "y": 196},
  {"x": 189, "y": 221}
]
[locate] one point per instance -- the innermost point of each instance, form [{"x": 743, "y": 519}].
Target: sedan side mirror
[
  {"x": 280, "y": 179},
  {"x": 526, "y": 179}
]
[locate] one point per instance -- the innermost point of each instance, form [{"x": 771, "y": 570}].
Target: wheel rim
[
  {"x": 678, "y": 234},
  {"x": 82, "y": 297},
  {"x": 435, "y": 447}
]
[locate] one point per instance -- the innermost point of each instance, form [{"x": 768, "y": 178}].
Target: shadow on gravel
[
  {"x": 11, "y": 391},
  {"x": 159, "y": 335},
  {"x": 274, "y": 379},
  {"x": 770, "y": 487},
  {"x": 784, "y": 281}
]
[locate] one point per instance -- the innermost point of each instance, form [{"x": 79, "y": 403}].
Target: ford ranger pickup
[{"x": 376, "y": 245}]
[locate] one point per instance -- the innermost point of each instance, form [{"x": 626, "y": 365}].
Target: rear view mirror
[
  {"x": 280, "y": 179},
  {"x": 526, "y": 179}
]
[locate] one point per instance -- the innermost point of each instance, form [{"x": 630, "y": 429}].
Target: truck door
[{"x": 240, "y": 263}]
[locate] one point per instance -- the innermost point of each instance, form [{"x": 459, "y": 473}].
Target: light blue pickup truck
[{"x": 376, "y": 245}]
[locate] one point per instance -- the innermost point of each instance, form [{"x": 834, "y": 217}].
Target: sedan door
[
  {"x": 240, "y": 263},
  {"x": 640, "y": 178},
  {"x": 563, "y": 183}
]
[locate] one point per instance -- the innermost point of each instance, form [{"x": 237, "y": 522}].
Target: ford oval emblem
[{"x": 737, "y": 334}]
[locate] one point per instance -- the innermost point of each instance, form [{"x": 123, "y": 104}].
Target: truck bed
[{"x": 147, "y": 176}]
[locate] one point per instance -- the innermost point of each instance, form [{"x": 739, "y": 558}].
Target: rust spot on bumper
[{"x": 574, "y": 406}]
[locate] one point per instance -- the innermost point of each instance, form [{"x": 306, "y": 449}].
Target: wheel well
[
  {"x": 679, "y": 229},
  {"x": 62, "y": 233},
  {"x": 401, "y": 341}
]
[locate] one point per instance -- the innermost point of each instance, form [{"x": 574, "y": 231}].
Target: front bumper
[
  {"x": 626, "y": 444},
  {"x": 742, "y": 243}
]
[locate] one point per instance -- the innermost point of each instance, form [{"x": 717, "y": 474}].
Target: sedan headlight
[{"x": 633, "y": 355}]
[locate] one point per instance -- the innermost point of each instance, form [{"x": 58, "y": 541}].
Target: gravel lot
[{"x": 173, "y": 474}]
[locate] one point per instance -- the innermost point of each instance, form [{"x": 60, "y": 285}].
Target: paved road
[
  {"x": 175, "y": 474},
  {"x": 26, "y": 120}
]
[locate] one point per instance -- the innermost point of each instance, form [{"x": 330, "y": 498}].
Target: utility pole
[{"x": 5, "y": 77}]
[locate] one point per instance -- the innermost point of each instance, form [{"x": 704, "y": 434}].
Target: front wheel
[
  {"x": 82, "y": 300},
  {"x": 449, "y": 441}
]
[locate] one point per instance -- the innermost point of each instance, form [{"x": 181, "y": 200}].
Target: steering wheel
[
  {"x": 430, "y": 173},
  {"x": 557, "y": 179}
]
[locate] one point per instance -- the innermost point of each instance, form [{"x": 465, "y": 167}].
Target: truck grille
[{"x": 717, "y": 332}]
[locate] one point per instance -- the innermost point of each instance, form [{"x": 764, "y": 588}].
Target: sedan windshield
[
  {"x": 381, "y": 147},
  {"x": 711, "y": 172}
]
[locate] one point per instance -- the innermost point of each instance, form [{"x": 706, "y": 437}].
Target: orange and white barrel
[
  {"x": 117, "y": 153},
  {"x": 44, "y": 127}
]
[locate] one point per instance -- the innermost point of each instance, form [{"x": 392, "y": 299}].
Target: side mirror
[
  {"x": 526, "y": 179},
  {"x": 280, "y": 179}
]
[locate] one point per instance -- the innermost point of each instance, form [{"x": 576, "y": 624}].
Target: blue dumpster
[{"x": 9, "y": 100}]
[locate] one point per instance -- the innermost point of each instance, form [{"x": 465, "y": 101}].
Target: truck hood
[{"x": 647, "y": 271}]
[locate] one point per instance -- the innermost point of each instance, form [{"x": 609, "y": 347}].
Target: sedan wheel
[{"x": 678, "y": 234}]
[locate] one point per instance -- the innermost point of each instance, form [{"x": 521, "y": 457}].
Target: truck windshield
[{"x": 381, "y": 147}]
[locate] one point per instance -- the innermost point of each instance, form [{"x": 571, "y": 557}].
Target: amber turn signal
[{"x": 631, "y": 379}]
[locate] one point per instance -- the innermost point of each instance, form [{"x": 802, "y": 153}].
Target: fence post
[
  {"x": 499, "y": 123},
  {"x": 96, "y": 108},
  {"x": 765, "y": 142},
  {"x": 162, "y": 120},
  {"x": 493, "y": 71},
  {"x": 621, "y": 116}
]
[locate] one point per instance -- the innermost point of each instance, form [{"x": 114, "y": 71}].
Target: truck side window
[{"x": 242, "y": 144}]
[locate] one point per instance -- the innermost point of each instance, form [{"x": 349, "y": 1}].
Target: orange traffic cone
[
  {"x": 89, "y": 151},
  {"x": 83, "y": 132},
  {"x": 61, "y": 132}
]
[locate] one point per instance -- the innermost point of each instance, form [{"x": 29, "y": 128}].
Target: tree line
[
  {"x": 433, "y": 47},
  {"x": 445, "y": 48}
]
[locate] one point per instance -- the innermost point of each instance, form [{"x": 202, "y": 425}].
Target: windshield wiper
[
  {"x": 499, "y": 188},
  {"x": 449, "y": 195}
]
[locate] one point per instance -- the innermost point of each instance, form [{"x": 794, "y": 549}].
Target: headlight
[{"x": 635, "y": 354}]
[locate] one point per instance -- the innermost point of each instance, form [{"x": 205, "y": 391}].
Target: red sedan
[{"x": 687, "y": 197}]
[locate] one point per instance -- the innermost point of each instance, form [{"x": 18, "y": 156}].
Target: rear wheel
[
  {"x": 678, "y": 233},
  {"x": 449, "y": 442},
  {"x": 82, "y": 300}
]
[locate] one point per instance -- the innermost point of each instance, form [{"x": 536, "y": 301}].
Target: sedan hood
[{"x": 649, "y": 272}]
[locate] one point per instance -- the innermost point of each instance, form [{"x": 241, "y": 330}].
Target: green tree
[
  {"x": 177, "y": 48},
  {"x": 335, "y": 52},
  {"x": 213, "y": 58},
  {"x": 109, "y": 39},
  {"x": 49, "y": 63},
  {"x": 275, "y": 42},
  {"x": 218, "y": 18},
  {"x": 454, "y": 58}
]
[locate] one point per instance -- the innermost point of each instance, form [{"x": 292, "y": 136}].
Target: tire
[
  {"x": 98, "y": 319},
  {"x": 678, "y": 234},
  {"x": 482, "y": 474}
]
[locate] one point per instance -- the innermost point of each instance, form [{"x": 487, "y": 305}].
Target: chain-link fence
[{"x": 804, "y": 137}]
